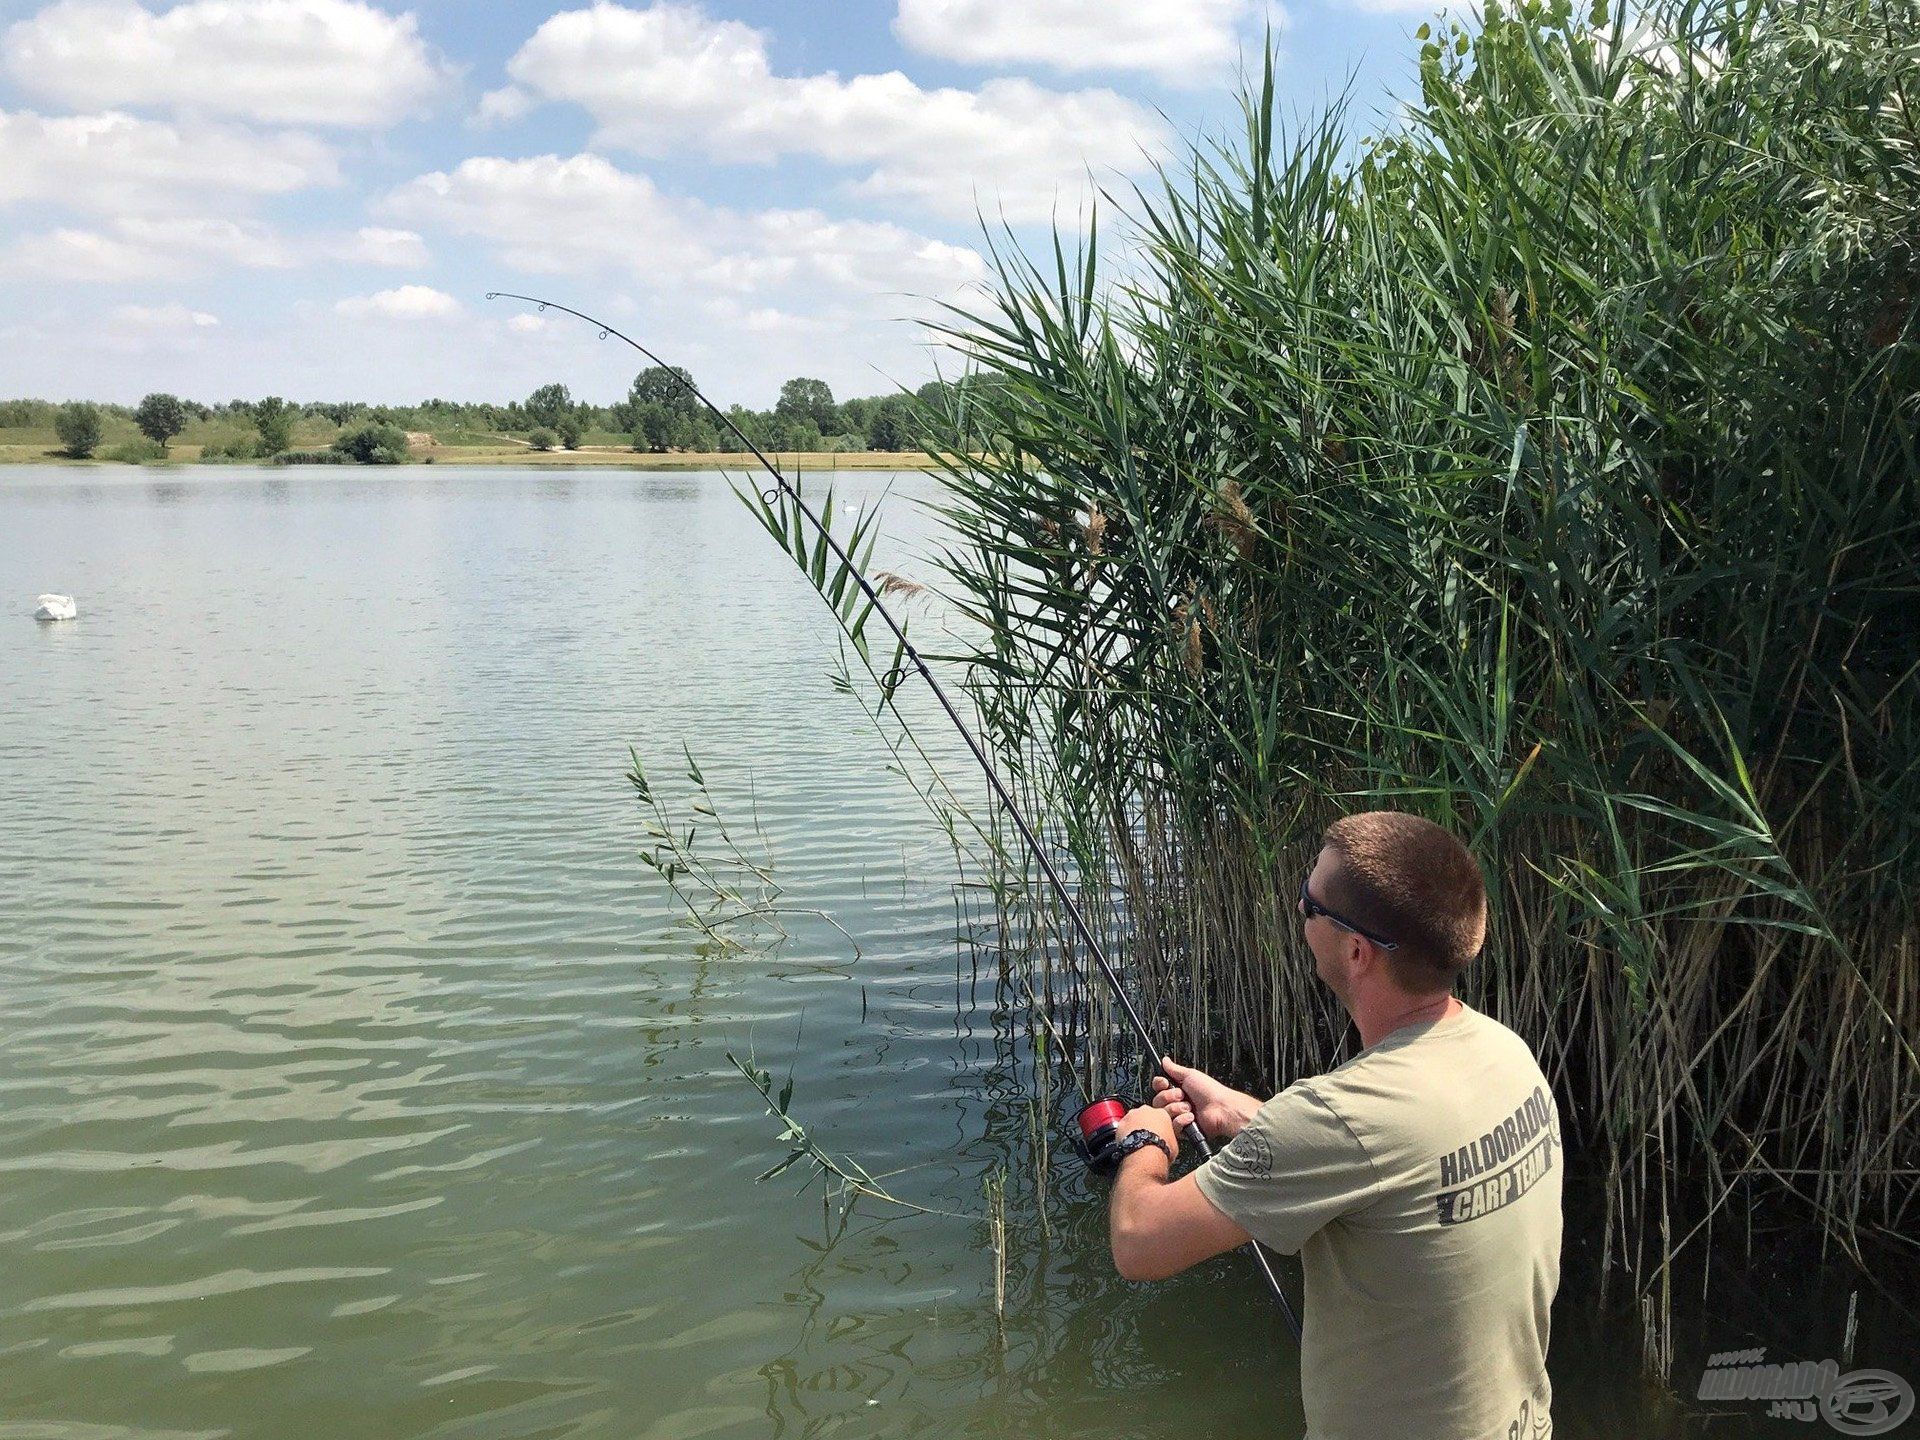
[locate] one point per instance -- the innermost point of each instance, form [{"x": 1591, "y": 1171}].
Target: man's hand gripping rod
[{"x": 1192, "y": 1133}]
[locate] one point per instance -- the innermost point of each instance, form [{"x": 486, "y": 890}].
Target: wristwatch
[{"x": 1139, "y": 1140}]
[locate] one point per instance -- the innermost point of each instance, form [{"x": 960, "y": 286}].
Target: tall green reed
[{"x": 1545, "y": 464}]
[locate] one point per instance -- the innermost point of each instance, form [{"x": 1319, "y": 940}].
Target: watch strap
[{"x": 1139, "y": 1140}]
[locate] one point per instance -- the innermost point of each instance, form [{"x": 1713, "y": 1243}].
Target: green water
[{"x": 354, "y": 1079}]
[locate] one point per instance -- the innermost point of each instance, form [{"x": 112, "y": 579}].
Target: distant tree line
[{"x": 658, "y": 415}]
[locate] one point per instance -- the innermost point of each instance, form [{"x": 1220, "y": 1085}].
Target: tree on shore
[
  {"x": 274, "y": 417},
  {"x": 160, "y": 417},
  {"x": 660, "y": 411},
  {"x": 664, "y": 385},
  {"x": 549, "y": 405},
  {"x": 658, "y": 428},
  {"x": 804, "y": 399},
  {"x": 78, "y": 426},
  {"x": 891, "y": 426},
  {"x": 374, "y": 444}
]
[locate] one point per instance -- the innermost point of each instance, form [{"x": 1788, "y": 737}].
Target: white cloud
[
  {"x": 816, "y": 295},
  {"x": 503, "y": 106},
  {"x": 116, "y": 163},
  {"x": 171, "y": 247},
  {"x": 372, "y": 245},
  {"x": 767, "y": 319},
  {"x": 668, "y": 78},
  {"x": 583, "y": 215},
  {"x": 172, "y": 328},
  {"x": 217, "y": 241},
  {"x": 172, "y": 199},
  {"x": 1185, "y": 42},
  {"x": 82, "y": 255},
  {"x": 408, "y": 302},
  {"x": 149, "y": 248},
  {"x": 548, "y": 215},
  {"x": 173, "y": 317},
  {"x": 292, "y": 62}
]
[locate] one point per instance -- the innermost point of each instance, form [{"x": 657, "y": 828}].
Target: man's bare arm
[{"x": 1159, "y": 1228}]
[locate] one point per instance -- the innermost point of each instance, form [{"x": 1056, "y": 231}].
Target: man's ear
[{"x": 1363, "y": 958}]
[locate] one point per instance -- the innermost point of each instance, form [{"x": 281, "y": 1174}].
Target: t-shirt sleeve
[{"x": 1295, "y": 1168}]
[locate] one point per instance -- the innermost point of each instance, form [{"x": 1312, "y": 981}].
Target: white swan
[{"x": 57, "y": 607}]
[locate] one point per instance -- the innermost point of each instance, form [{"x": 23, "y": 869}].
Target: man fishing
[{"x": 1419, "y": 1182}]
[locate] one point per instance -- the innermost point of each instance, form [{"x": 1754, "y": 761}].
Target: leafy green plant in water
[
  {"x": 732, "y": 899},
  {"x": 725, "y": 891},
  {"x": 844, "y": 1177}
]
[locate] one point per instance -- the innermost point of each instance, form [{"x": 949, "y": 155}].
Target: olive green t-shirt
[{"x": 1420, "y": 1185}]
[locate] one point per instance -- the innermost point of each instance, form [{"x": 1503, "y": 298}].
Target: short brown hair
[{"x": 1413, "y": 882}]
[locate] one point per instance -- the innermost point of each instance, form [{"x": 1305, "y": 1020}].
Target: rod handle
[{"x": 1195, "y": 1141}]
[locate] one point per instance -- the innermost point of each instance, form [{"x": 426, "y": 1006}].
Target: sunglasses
[{"x": 1311, "y": 907}]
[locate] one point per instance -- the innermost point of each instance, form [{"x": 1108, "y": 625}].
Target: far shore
[{"x": 596, "y": 457}]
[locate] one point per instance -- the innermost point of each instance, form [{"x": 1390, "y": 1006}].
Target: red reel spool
[
  {"x": 1101, "y": 1115},
  {"x": 1100, "y": 1134}
]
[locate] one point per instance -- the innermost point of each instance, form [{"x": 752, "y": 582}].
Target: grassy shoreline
[{"x": 585, "y": 458}]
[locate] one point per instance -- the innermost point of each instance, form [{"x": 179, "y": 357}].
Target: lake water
[{"x": 356, "y": 1080}]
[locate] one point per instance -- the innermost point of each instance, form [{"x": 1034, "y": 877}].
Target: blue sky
[{"x": 232, "y": 198}]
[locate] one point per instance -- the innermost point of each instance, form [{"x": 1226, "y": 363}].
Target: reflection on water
[{"x": 353, "y": 1081}]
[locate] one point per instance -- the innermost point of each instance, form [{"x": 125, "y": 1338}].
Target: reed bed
[{"x": 1545, "y": 464}]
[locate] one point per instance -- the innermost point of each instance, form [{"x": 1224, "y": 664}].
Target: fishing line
[{"x": 913, "y": 660}]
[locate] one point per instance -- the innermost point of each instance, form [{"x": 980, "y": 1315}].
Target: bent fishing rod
[{"x": 785, "y": 489}]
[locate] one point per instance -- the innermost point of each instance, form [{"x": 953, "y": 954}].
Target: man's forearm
[
  {"x": 1162, "y": 1226},
  {"x": 1241, "y": 1110},
  {"x": 1141, "y": 1174}
]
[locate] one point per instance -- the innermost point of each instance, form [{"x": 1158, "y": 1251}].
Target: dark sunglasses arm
[{"x": 1313, "y": 907}]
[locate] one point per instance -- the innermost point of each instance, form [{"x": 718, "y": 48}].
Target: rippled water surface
[{"x": 354, "y": 1077}]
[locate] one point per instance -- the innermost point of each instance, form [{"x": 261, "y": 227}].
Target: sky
[{"x": 311, "y": 198}]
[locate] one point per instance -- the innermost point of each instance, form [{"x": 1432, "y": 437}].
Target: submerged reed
[{"x": 1545, "y": 465}]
